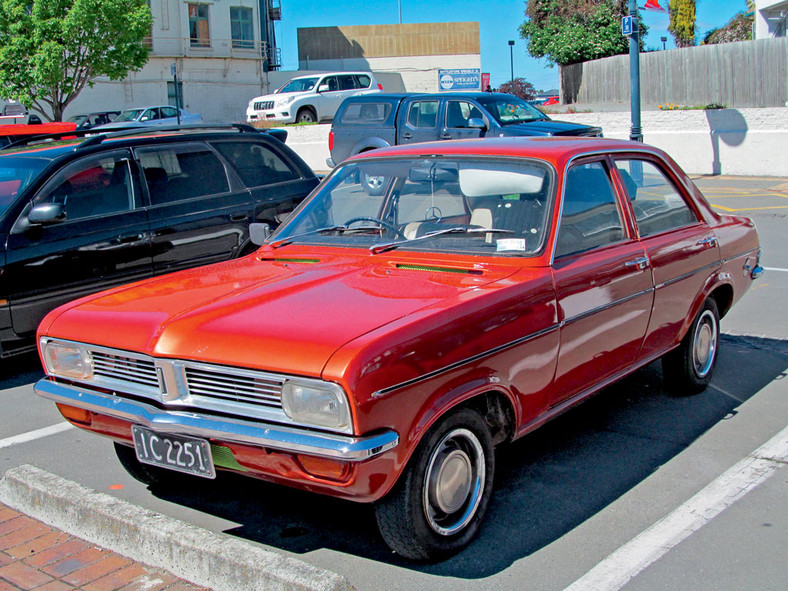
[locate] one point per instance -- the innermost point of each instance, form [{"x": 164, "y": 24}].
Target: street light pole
[
  {"x": 511, "y": 59},
  {"x": 636, "y": 133}
]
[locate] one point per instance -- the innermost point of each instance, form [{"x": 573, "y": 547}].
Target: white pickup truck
[{"x": 309, "y": 99}]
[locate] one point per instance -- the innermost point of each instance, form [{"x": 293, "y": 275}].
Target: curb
[{"x": 218, "y": 561}]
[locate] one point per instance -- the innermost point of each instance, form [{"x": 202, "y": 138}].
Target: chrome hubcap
[
  {"x": 705, "y": 344},
  {"x": 454, "y": 482}
]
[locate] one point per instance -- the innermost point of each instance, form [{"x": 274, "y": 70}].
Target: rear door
[
  {"x": 102, "y": 242},
  {"x": 196, "y": 215},
  {"x": 418, "y": 121},
  {"x": 682, "y": 249}
]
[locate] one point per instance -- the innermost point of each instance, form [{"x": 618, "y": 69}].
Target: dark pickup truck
[{"x": 374, "y": 121}]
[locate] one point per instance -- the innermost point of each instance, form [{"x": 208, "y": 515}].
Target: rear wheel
[
  {"x": 306, "y": 115},
  {"x": 436, "y": 508},
  {"x": 688, "y": 369}
]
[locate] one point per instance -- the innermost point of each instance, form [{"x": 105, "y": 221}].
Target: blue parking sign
[{"x": 627, "y": 26}]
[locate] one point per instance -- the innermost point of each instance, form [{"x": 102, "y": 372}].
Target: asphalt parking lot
[{"x": 635, "y": 489}]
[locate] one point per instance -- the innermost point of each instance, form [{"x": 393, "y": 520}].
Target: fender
[{"x": 369, "y": 143}]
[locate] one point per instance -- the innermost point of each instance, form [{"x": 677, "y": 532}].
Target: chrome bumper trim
[{"x": 339, "y": 447}]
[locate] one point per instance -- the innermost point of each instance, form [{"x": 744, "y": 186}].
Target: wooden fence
[{"x": 742, "y": 74}]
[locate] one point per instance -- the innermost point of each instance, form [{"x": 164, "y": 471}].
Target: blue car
[{"x": 156, "y": 115}]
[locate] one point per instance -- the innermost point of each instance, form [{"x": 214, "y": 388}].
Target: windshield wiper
[
  {"x": 378, "y": 248},
  {"x": 289, "y": 239}
]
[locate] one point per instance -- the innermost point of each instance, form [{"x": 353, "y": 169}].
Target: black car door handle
[{"x": 239, "y": 217}]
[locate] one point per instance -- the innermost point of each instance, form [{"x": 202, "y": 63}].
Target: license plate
[{"x": 175, "y": 452}]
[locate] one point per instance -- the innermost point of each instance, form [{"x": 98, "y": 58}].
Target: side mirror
[
  {"x": 322, "y": 88},
  {"x": 259, "y": 233},
  {"x": 476, "y": 123},
  {"x": 45, "y": 214}
]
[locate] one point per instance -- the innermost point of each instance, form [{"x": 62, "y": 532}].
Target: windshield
[
  {"x": 130, "y": 115},
  {"x": 16, "y": 173},
  {"x": 78, "y": 119},
  {"x": 299, "y": 85},
  {"x": 430, "y": 204},
  {"x": 511, "y": 110}
]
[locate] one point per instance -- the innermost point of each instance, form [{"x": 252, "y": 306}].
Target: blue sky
[{"x": 498, "y": 22}]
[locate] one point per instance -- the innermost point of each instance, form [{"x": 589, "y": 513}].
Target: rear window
[{"x": 366, "y": 113}]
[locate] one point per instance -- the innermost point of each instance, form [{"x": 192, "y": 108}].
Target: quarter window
[
  {"x": 199, "y": 32},
  {"x": 423, "y": 114},
  {"x": 256, "y": 164},
  {"x": 657, "y": 203},
  {"x": 241, "y": 28},
  {"x": 590, "y": 216}
]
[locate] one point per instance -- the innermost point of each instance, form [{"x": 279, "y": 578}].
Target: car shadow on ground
[
  {"x": 20, "y": 370},
  {"x": 547, "y": 483}
]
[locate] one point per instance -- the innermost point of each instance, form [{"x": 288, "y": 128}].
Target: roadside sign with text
[{"x": 460, "y": 79}]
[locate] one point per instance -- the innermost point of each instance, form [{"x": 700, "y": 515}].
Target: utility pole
[{"x": 511, "y": 58}]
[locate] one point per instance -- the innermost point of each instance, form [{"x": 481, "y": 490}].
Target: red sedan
[{"x": 427, "y": 304}]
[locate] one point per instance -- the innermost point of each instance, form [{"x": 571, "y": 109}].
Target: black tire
[
  {"x": 688, "y": 369},
  {"x": 306, "y": 115},
  {"x": 438, "y": 504},
  {"x": 148, "y": 475}
]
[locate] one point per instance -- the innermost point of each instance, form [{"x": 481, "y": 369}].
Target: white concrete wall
[
  {"x": 768, "y": 17},
  {"x": 747, "y": 142}
]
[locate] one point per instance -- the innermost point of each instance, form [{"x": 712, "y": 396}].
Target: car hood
[
  {"x": 551, "y": 127},
  {"x": 283, "y": 315}
]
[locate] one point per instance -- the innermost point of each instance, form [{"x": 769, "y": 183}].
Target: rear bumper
[{"x": 339, "y": 447}]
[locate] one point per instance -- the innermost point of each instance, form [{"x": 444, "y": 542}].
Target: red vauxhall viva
[{"x": 426, "y": 304}]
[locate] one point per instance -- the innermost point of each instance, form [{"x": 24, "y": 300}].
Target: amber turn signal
[
  {"x": 324, "y": 467},
  {"x": 75, "y": 415}
]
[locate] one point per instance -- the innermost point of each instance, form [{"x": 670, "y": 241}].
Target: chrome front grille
[
  {"x": 247, "y": 388},
  {"x": 263, "y": 105},
  {"x": 125, "y": 369}
]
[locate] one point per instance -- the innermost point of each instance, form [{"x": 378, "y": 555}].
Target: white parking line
[
  {"x": 625, "y": 563},
  {"x": 32, "y": 435}
]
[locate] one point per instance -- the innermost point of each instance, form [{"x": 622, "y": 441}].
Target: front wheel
[
  {"x": 688, "y": 369},
  {"x": 306, "y": 115},
  {"x": 436, "y": 508}
]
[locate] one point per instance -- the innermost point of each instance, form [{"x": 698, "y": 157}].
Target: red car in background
[
  {"x": 380, "y": 344},
  {"x": 16, "y": 131}
]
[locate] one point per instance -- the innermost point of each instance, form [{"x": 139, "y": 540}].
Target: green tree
[
  {"x": 571, "y": 31},
  {"x": 682, "y": 22},
  {"x": 739, "y": 28},
  {"x": 51, "y": 49}
]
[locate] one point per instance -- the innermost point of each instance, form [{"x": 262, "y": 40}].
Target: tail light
[
  {"x": 330, "y": 141},
  {"x": 380, "y": 86}
]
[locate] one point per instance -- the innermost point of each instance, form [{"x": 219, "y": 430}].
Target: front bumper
[
  {"x": 302, "y": 441},
  {"x": 281, "y": 116}
]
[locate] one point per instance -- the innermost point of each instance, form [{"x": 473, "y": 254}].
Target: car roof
[
  {"x": 317, "y": 75},
  {"x": 552, "y": 149}
]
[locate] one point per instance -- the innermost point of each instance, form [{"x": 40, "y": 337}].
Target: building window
[
  {"x": 199, "y": 33},
  {"x": 241, "y": 27}
]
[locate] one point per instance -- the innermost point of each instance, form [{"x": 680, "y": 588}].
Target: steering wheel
[{"x": 381, "y": 223}]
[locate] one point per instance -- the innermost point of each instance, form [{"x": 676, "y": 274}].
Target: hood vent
[
  {"x": 435, "y": 269},
  {"x": 288, "y": 260}
]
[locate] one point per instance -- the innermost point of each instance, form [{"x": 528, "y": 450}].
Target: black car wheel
[
  {"x": 306, "y": 115},
  {"x": 436, "y": 508},
  {"x": 688, "y": 369}
]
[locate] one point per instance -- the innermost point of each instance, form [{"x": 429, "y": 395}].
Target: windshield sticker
[{"x": 508, "y": 244}]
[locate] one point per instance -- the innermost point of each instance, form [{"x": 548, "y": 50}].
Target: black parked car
[
  {"x": 81, "y": 214},
  {"x": 88, "y": 120}
]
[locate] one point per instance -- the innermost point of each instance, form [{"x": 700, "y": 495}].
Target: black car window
[
  {"x": 423, "y": 114},
  {"x": 590, "y": 216},
  {"x": 92, "y": 186},
  {"x": 256, "y": 164},
  {"x": 657, "y": 203},
  {"x": 365, "y": 113},
  {"x": 459, "y": 112},
  {"x": 177, "y": 173},
  {"x": 331, "y": 82},
  {"x": 347, "y": 82},
  {"x": 167, "y": 112},
  {"x": 16, "y": 173}
]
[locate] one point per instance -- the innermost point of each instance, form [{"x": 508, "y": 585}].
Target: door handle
[
  {"x": 446, "y": 136},
  {"x": 407, "y": 136},
  {"x": 640, "y": 263},
  {"x": 239, "y": 217},
  {"x": 710, "y": 241}
]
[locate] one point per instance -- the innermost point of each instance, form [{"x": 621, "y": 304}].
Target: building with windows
[
  {"x": 222, "y": 53},
  {"x": 771, "y": 18}
]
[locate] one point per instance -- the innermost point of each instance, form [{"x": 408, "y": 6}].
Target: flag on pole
[{"x": 653, "y": 5}]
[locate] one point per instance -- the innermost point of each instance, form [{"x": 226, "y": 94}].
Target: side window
[
  {"x": 176, "y": 173},
  {"x": 92, "y": 187},
  {"x": 423, "y": 114},
  {"x": 256, "y": 164},
  {"x": 365, "y": 113},
  {"x": 459, "y": 112},
  {"x": 590, "y": 216},
  {"x": 331, "y": 82},
  {"x": 657, "y": 202},
  {"x": 168, "y": 112},
  {"x": 363, "y": 81}
]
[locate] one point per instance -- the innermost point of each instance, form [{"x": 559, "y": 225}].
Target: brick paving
[{"x": 36, "y": 556}]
